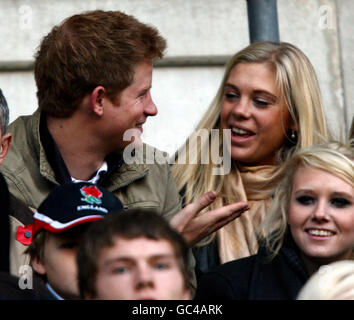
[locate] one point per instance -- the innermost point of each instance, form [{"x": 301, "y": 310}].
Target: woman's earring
[{"x": 293, "y": 135}]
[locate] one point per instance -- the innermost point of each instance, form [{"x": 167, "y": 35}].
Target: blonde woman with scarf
[{"x": 270, "y": 104}]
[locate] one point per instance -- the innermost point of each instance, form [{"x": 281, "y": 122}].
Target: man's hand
[{"x": 194, "y": 226}]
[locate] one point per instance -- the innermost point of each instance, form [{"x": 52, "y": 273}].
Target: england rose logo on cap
[
  {"x": 63, "y": 209},
  {"x": 92, "y": 194}
]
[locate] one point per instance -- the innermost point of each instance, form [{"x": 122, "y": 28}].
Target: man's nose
[
  {"x": 144, "y": 277},
  {"x": 150, "y": 108}
]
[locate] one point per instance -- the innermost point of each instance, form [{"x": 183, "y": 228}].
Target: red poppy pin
[
  {"x": 91, "y": 194},
  {"x": 24, "y": 234}
]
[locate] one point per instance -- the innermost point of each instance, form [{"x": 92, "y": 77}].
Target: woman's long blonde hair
[
  {"x": 335, "y": 158},
  {"x": 297, "y": 83}
]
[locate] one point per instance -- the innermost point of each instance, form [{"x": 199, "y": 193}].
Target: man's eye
[
  {"x": 305, "y": 200},
  {"x": 120, "y": 270},
  {"x": 143, "y": 94},
  {"x": 340, "y": 202},
  {"x": 161, "y": 266}
]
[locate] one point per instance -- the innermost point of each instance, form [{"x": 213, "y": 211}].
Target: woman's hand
[{"x": 194, "y": 226}]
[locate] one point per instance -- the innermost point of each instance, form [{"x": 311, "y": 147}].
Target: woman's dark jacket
[{"x": 253, "y": 278}]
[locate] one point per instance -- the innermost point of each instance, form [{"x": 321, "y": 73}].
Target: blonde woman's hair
[
  {"x": 335, "y": 158},
  {"x": 297, "y": 83},
  {"x": 331, "y": 282}
]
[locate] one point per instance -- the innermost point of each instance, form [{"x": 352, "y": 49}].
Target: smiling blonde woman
[
  {"x": 269, "y": 100},
  {"x": 310, "y": 224}
]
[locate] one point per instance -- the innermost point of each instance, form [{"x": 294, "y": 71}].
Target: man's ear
[
  {"x": 5, "y": 145},
  {"x": 97, "y": 100},
  {"x": 38, "y": 265}
]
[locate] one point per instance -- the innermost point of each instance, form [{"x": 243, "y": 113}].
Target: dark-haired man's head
[{"x": 136, "y": 256}]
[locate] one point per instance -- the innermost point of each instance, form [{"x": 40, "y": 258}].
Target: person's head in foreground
[
  {"x": 133, "y": 256},
  {"x": 331, "y": 282},
  {"x": 58, "y": 226},
  {"x": 314, "y": 201}
]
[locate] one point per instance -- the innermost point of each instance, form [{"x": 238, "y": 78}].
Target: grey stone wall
[{"x": 323, "y": 29}]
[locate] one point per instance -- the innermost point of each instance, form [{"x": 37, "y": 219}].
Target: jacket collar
[
  {"x": 53, "y": 167},
  {"x": 53, "y": 155},
  {"x": 280, "y": 278},
  {"x": 35, "y": 142},
  {"x": 291, "y": 253}
]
